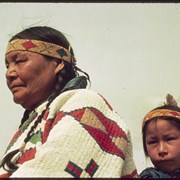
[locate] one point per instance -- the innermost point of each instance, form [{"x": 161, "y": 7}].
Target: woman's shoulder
[
  {"x": 89, "y": 102},
  {"x": 78, "y": 98},
  {"x": 82, "y": 92},
  {"x": 80, "y": 95}
]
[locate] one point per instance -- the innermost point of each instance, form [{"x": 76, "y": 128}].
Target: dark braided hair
[
  {"x": 170, "y": 104},
  {"x": 69, "y": 72}
]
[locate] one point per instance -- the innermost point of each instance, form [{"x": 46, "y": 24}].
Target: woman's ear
[{"x": 59, "y": 67}]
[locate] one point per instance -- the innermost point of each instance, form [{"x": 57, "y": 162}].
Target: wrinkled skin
[{"x": 30, "y": 77}]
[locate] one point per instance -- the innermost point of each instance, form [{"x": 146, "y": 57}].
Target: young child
[{"x": 161, "y": 140}]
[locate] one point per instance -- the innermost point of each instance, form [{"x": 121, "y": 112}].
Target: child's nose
[{"x": 162, "y": 150}]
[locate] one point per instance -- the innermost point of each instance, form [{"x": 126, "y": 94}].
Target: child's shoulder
[{"x": 152, "y": 172}]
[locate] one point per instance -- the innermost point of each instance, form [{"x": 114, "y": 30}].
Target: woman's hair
[
  {"x": 51, "y": 35},
  {"x": 48, "y": 34},
  {"x": 69, "y": 72},
  {"x": 170, "y": 104}
]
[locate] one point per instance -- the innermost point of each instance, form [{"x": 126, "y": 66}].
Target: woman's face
[
  {"x": 163, "y": 145},
  {"x": 30, "y": 77}
]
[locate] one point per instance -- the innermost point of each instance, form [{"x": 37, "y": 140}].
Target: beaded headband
[
  {"x": 160, "y": 113},
  {"x": 41, "y": 47}
]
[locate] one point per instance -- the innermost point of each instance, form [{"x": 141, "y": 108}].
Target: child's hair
[{"x": 169, "y": 111}]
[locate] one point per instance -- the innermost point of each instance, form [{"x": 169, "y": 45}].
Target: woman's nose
[
  {"x": 162, "y": 150},
  {"x": 11, "y": 72}
]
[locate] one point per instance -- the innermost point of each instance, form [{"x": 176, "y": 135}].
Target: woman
[{"x": 66, "y": 130}]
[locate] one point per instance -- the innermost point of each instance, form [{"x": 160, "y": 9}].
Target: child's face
[{"x": 163, "y": 145}]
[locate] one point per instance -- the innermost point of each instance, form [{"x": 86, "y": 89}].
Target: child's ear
[{"x": 59, "y": 67}]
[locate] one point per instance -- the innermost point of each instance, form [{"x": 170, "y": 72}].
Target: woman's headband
[
  {"x": 161, "y": 113},
  {"x": 41, "y": 47}
]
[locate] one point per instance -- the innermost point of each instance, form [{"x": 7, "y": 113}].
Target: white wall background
[{"x": 131, "y": 52}]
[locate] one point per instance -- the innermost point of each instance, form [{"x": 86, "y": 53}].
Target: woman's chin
[{"x": 20, "y": 99}]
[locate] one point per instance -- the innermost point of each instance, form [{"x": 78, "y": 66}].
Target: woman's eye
[{"x": 20, "y": 61}]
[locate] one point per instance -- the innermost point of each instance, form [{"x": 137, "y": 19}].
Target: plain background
[{"x": 131, "y": 52}]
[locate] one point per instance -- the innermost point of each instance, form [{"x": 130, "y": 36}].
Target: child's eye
[
  {"x": 170, "y": 138},
  {"x": 152, "y": 142}
]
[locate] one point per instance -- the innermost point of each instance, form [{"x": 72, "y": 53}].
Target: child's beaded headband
[
  {"x": 161, "y": 113},
  {"x": 41, "y": 47}
]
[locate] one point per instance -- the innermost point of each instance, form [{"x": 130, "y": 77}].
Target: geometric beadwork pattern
[
  {"x": 110, "y": 137},
  {"x": 76, "y": 170},
  {"x": 161, "y": 113},
  {"x": 91, "y": 168},
  {"x": 41, "y": 47},
  {"x": 61, "y": 125},
  {"x": 73, "y": 169}
]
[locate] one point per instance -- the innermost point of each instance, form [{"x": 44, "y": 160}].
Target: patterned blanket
[{"x": 80, "y": 135}]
